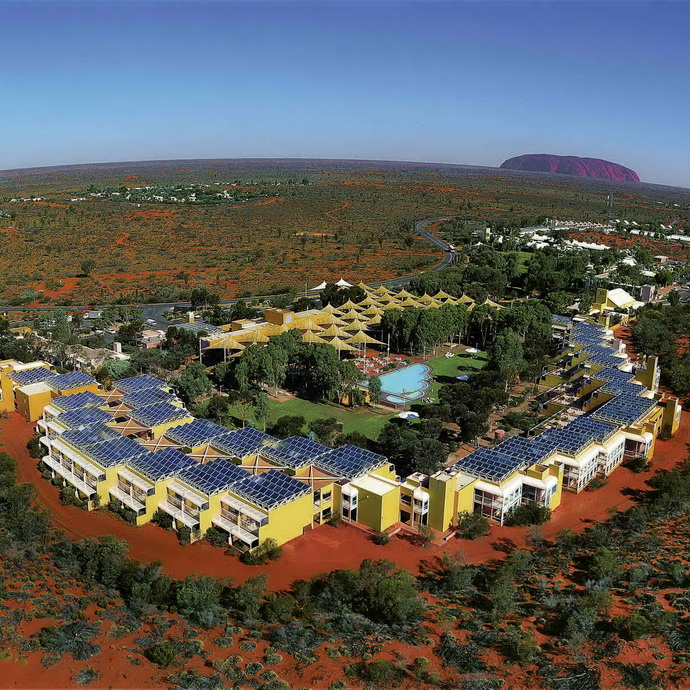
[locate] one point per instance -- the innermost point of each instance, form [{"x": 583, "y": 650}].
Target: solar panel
[
  {"x": 196, "y": 433},
  {"x": 74, "y": 379},
  {"x": 242, "y": 444},
  {"x": 26, "y": 377},
  {"x": 295, "y": 452},
  {"x": 92, "y": 435},
  {"x": 489, "y": 463},
  {"x": 66, "y": 403},
  {"x": 613, "y": 374},
  {"x": 162, "y": 464},
  {"x": 560, "y": 320},
  {"x": 115, "y": 452},
  {"x": 160, "y": 413},
  {"x": 350, "y": 461},
  {"x": 615, "y": 387},
  {"x": 270, "y": 489},
  {"x": 625, "y": 409},
  {"x": 80, "y": 418},
  {"x": 212, "y": 477},
  {"x": 139, "y": 383},
  {"x": 148, "y": 396}
]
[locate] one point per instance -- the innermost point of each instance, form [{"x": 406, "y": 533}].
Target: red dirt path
[{"x": 326, "y": 548}]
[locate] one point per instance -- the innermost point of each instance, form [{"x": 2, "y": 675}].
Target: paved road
[{"x": 156, "y": 312}]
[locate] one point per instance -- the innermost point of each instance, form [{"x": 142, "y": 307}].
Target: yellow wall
[
  {"x": 31, "y": 406},
  {"x": 385, "y": 471},
  {"x": 288, "y": 521},
  {"x": 158, "y": 431},
  {"x": 6, "y": 393},
  {"x": 442, "y": 502},
  {"x": 378, "y": 511}
]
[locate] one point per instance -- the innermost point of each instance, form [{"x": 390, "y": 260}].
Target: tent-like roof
[
  {"x": 441, "y": 295},
  {"x": 382, "y": 290},
  {"x": 371, "y": 311},
  {"x": 409, "y": 302},
  {"x": 253, "y": 336},
  {"x": 404, "y": 294},
  {"x": 340, "y": 344},
  {"x": 329, "y": 319},
  {"x": 367, "y": 301},
  {"x": 226, "y": 343},
  {"x": 310, "y": 338},
  {"x": 334, "y": 332},
  {"x": 321, "y": 286},
  {"x": 348, "y": 306},
  {"x": 425, "y": 299},
  {"x": 362, "y": 337},
  {"x": 391, "y": 305},
  {"x": 353, "y": 315},
  {"x": 330, "y": 309},
  {"x": 307, "y": 325},
  {"x": 465, "y": 300},
  {"x": 343, "y": 283}
]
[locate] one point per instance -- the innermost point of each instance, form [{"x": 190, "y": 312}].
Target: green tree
[
  {"x": 375, "y": 390},
  {"x": 193, "y": 383}
]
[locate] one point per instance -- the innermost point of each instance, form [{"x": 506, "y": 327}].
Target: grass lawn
[
  {"x": 366, "y": 422},
  {"x": 445, "y": 369},
  {"x": 523, "y": 258}
]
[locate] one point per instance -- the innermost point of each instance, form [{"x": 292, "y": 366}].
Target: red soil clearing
[
  {"x": 329, "y": 214},
  {"x": 327, "y": 548}
]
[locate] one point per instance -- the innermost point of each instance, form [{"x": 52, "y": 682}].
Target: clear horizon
[{"x": 461, "y": 83}]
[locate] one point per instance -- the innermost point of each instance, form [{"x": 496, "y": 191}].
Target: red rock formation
[{"x": 571, "y": 165}]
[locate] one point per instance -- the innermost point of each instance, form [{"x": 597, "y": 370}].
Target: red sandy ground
[{"x": 326, "y": 548}]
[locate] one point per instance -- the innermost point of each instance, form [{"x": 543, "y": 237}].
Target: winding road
[{"x": 156, "y": 312}]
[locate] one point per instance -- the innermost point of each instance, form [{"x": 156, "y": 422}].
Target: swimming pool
[{"x": 406, "y": 385}]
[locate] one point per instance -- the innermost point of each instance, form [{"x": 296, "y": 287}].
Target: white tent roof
[
  {"x": 319, "y": 287},
  {"x": 343, "y": 283},
  {"x": 408, "y": 415}
]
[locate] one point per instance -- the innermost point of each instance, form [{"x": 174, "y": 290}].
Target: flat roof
[
  {"x": 376, "y": 485},
  {"x": 34, "y": 388}
]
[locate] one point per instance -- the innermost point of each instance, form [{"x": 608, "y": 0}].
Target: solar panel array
[
  {"x": 148, "y": 396},
  {"x": 74, "y": 379},
  {"x": 159, "y": 413},
  {"x": 78, "y": 401},
  {"x": 80, "y": 418},
  {"x": 85, "y": 438},
  {"x": 490, "y": 463},
  {"x": 350, "y": 461},
  {"x": 139, "y": 383},
  {"x": 198, "y": 326},
  {"x": 613, "y": 374},
  {"x": 598, "y": 429},
  {"x": 161, "y": 465},
  {"x": 212, "y": 477},
  {"x": 26, "y": 377},
  {"x": 625, "y": 409},
  {"x": 616, "y": 387},
  {"x": 295, "y": 452},
  {"x": 115, "y": 452},
  {"x": 560, "y": 320},
  {"x": 242, "y": 444},
  {"x": 196, "y": 433},
  {"x": 270, "y": 489}
]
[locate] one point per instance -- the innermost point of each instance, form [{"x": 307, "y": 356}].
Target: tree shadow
[{"x": 504, "y": 545}]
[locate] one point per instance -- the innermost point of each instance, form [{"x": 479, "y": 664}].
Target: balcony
[
  {"x": 179, "y": 515},
  {"x": 127, "y": 500},
  {"x": 69, "y": 476}
]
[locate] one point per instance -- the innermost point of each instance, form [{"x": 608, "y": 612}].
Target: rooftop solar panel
[
  {"x": 491, "y": 464},
  {"x": 625, "y": 409},
  {"x": 148, "y": 396},
  {"x": 90, "y": 436},
  {"x": 350, "y": 461},
  {"x": 212, "y": 477},
  {"x": 196, "y": 433},
  {"x": 67, "y": 403},
  {"x": 159, "y": 413},
  {"x": 139, "y": 383},
  {"x": 270, "y": 489},
  {"x": 613, "y": 374},
  {"x": 560, "y": 320},
  {"x": 115, "y": 452},
  {"x": 295, "y": 452},
  {"x": 243, "y": 443},
  {"x": 162, "y": 464},
  {"x": 80, "y": 418},
  {"x": 26, "y": 377},
  {"x": 74, "y": 379}
]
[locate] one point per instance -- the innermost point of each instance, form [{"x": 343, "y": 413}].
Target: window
[
  {"x": 326, "y": 497},
  {"x": 405, "y": 499}
]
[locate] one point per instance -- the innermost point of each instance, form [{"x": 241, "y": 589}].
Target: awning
[
  {"x": 128, "y": 500},
  {"x": 135, "y": 480}
]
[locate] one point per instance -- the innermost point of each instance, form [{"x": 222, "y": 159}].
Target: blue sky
[{"x": 457, "y": 82}]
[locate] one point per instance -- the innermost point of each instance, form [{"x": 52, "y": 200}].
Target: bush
[
  {"x": 88, "y": 675},
  {"x": 377, "y": 671},
  {"x": 74, "y": 638},
  {"x": 426, "y": 535},
  {"x": 217, "y": 537},
  {"x": 531, "y": 513},
  {"x": 472, "y": 526},
  {"x": 184, "y": 534},
  {"x": 381, "y": 538},
  {"x": 35, "y": 448},
  {"x": 162, "y": 653},
  {"x": 68, "y": 496},
  {"x": 268, "y": 550},
  {"x": 638, "y": 464},
  {"x": 162, "y": 519},
  {"x": 122, "y": 511},
  {"x": 634, "y": 627}
]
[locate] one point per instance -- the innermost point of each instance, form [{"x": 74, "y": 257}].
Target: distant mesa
[{"x": 571, "y": 165}]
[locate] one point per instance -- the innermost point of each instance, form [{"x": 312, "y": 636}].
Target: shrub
[
  {"x": 68, "y": 496},
  {"x": 634, "y": 627},
  {"x": 35, "y": 448},
  {"x": 184, "y": 534},
  {"x": 162, "y": 519},
  {"x": 472, "y": 526},
  {"x": 381, "y": 538},
  {"x": 217, "y": 537},
  {"x": 597, "y": 483},
  {"x": 252, "y": 668},
  {"x": 163, "y": 653},
  {"x": 335, "y": 521},
  {"x": 638, "y": 464},
  {"x": 425, "y": 535},
  {"x": 377, "y": 671},
  {"x": 268, "y": 550},
  {"x": 122, "y": 511},
  {"x": 88, "y": 675},
  {"x": 74, "y": 638},
  {"x": 531, "y": 513}
]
